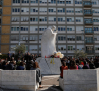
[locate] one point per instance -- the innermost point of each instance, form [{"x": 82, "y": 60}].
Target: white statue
[{"x": 48, "y": 41}]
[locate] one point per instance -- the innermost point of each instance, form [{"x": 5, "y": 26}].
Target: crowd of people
[
  {"x": 79, "y": 63},
  {"x": 27, "y": 61}
]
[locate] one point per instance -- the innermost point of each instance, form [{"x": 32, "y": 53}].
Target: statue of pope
[{"x": 48, "y": 41}]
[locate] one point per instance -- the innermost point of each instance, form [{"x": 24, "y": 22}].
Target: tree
[
  {"x": 20, "y": 48},
  {"x": 80, "y": 54}
]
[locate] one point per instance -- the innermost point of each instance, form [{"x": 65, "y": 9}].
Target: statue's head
[{"x": 53, "y": 28}]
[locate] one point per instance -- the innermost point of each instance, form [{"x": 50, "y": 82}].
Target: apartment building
[{"x": 77, "y": 22}]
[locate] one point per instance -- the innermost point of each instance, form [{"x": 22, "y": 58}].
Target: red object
[
  {"x": 63, "y": 68},
  {"x": 45, "y": 56},
  {"x": 58, "y": 56},
  {"x": 82, "y": 63}
]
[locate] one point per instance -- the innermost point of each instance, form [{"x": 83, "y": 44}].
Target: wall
[{"x": 21, "y": 80}]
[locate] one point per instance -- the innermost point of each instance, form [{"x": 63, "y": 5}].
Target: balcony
[
  {"x": 0, "y": 12},
  {"x": 87, "y": 4},
  {"x": 91, "y": 32},
  {"x": 88, "y": 13},
  {"x": 90, "y": 51},
  {"x": 88, "y": 22},
  {"x": 89, "y": 41},
  {"x": 0, "y": 3}
]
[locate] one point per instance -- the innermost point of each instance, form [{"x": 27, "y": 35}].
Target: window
[
  {"x": 96, "y": 28},
  {"x": 88, "y": 20},
  {"x": 96, "y": 47},
  {"x": 52, "y": 1},
  {"x": 61, "y": 38},
  {"x": 24, "y": 28},
  {"x": 78, "y": 1},
  {"x": 15, "y": 19},
  {"x": 34, "y": 1},
  {"x": 33, "y": 28},
  {"x": 71, "y": 47},
  {"x": 16, "y": 10},
  {"x": 79, "y": 19},
  {"x": 42, "y": 10},
  {"x": 24, "y": 9},
  {"x": 15, "y": 28},
  {"x": 12, "y": 47},
  {"x": 24, "y": 19},
  {"x": 89, "y": 39},
  {"x": 33, "y": 19},
  {"x": 69, "y": 10},
  {"x": 42, "y": 19},
  {"x": 70, "y": 19},
  {"x": 43, "y": 1},
  {"x": 39, "y": 47},
  {"x": 61, "y": 10},
  {"x": 33, "y": 48},
  {"x": 78, "y": 38},
  {"x": 88, "y": 30},
  {"x": 96, "y": 38},
  {"x": 34, "y": 37},
  {"x": 80, "y": 47},
  {"x": 61, "y": 47},
  {"x": 51, "y": 10},
  {"x": 25, "y": 1},
  {"x": 40, "y": 36},
  {"x": 78, "y": 10},
  {"x": 95, "y": 19},
  {"x": 16, "y": 1},
  {"x": 69, "y": 1},
  {"x": 61, "y": 1},
  {"x": 95, "y": 2},
  {"x": 79, "y": 28},
  {"x": 42, "y": 28},
  {"x": 14, "y": 37},
  {"x": 52, "y": 19},
  {"x": 61, "y": 19},
  {"x": 71, "y": 38},
  {"x": 33, "y": 9},
  {"x": 70, "y": 28},
  {"x": 95, "y": 11},
  {"x": 24, "y": 38},
  {"x": 61, "y": 28}
]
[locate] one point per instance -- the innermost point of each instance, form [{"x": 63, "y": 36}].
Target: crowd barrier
[
  {"x": 80, "y": 80},
  {"x": 18, "y": 80}
]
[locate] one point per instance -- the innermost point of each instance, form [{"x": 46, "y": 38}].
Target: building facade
[{"x": 77, "y": 22}]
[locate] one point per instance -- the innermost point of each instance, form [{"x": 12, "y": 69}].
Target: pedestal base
[{"x": 49, "y": 68}]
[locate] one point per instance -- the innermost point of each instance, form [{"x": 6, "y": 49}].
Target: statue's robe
[{"x": 48, "y": 42}]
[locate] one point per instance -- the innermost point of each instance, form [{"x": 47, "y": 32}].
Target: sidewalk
[{"x": 50, "y": 83}]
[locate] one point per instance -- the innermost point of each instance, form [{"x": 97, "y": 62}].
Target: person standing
[{"x": 9, "y": 56}]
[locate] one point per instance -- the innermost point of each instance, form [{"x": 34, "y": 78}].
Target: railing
[
  {"x": 88, "y": 13},
  {"x": 90, "y": 51},
  {"x": 89, "y": 42},
  {"x": 87, "y": 32},
  {"x": 88, "y": 22}
]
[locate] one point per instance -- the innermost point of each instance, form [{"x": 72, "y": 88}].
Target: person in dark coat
[
  {"x": 28, "y": 59},
  {"x": 38, "y": 74},
  {"x": 91, "y": 65},
  {"x": 20, "y": 67},
  {"x": 9, "y": 56}
]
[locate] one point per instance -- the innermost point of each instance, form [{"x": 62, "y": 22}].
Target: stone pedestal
[{"x": 49, "y": 68}]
